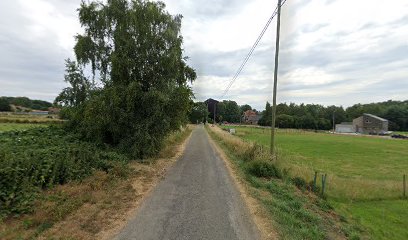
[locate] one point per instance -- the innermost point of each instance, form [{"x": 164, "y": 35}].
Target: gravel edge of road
[{"x": 256, "y": 211}]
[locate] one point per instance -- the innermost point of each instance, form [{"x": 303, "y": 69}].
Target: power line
[{"x": 252, "y": 50}]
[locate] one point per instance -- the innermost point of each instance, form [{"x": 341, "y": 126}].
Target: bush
[
  {"x": 250, "y": 154},
  {"x": 263, "y": 168},
  {"x": 39, "y": 158}
]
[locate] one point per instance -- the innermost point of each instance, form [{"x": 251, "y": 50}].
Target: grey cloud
[
  {"x": 35, "y": 67},
  {"x": 312, "y": 28}
]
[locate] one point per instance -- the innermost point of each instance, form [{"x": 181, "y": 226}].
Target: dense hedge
[{"x": 39, "y": 158}]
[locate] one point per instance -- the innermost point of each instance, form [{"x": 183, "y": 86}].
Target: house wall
[
  {"x": 358, "y": 124},
  {"x": 343, "y": 128},
  {"x": 369, "y": 125}
]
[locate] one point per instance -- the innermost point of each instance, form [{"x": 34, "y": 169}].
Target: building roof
[
  {"x": 376, "y": 117},
  {"x": 250, "y": 113}
]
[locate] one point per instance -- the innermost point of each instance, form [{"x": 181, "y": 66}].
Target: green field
[
  {"x": 18, "y": 126},
  {"x": 364, "y": 173},
  {"x": 28, "y": 118}
]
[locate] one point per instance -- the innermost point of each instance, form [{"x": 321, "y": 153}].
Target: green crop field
[
  {"x": 364, "y": 173},
  {"x": 18, "y": 126}
]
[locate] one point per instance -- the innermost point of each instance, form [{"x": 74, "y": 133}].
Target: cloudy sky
[{"x": 332, "y": 51}]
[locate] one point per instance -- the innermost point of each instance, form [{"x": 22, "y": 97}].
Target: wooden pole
[
  {"x": 404, "y": 178},
  {"x": 323, "y": 183},
  {"x": 275, "y": 80}
]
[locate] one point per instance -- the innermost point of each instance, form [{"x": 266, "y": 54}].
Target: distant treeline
[
  {"x": 314, "y": 116},
  {"x": 25, "y": 102}
]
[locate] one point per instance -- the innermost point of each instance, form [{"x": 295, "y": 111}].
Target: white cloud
[{"x": 332, "y": 52}]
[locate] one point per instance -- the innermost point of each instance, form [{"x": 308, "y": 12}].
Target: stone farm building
[
  {"x": 250, "y": 117},
  {"x": 366, "y": 124}
]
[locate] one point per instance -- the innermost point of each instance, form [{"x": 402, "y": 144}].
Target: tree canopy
[
  {"x": 199, "y": 113},
  {"x": 141, "y": 94},
  {"x": 4, "y": 105},
  {"x": 25, "y": 102},
  {"x": 315, "y": 116},
  {"x": 228, "y": 111}
]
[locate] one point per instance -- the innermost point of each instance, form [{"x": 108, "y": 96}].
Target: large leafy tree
[
  {"x": 199, "y": 113},
  {"x": 245, "y": 108},
  {"x": 266, "y": 118},
  {"x": 135, "y": 48}
]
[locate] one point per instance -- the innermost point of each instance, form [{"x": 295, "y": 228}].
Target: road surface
[{"x": 196, "y": 200}]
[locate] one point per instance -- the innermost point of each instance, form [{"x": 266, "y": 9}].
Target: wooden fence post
[
  {"x": 404, "y": 180},
  {"x": 323, "y": 183},
  {"x": 314, "y": 181}
]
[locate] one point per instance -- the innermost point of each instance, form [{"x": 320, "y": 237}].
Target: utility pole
[
  {"x": 334, "y": 123},
  {"x": 275, "y": 80}
]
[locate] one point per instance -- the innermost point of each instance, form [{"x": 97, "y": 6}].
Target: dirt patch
[{"x": 259, "y": 213}]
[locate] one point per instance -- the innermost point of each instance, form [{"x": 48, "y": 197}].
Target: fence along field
[{"x": 364, "y": 174}]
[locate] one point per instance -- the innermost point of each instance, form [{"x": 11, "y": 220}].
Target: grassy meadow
[
  {"x": 364, "y": 173},
  {"x": 4, "y": 127}
]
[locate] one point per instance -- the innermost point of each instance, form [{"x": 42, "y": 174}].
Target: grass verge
[{"x": 294, "y": 212}]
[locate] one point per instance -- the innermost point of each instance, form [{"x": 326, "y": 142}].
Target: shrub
[
  {"x": 254, "y": 151},
  {"x": 42, "y": 157},
  {"x": 263, "y": 168}
]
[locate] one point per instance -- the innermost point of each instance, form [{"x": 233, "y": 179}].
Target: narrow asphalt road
[{"x": 196, "y": 200}]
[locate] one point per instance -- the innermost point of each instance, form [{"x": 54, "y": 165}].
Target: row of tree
[
  {"x": 142, "y": 92},
  {"x": 226, "y": 111},
  {"x": 6, "y": 102},
  {"x": 307, "y": 116},
  {"x": 314, "y": 116}
]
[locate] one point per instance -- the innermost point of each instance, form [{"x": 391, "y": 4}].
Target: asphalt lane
[{"x": 196, "y": 200}]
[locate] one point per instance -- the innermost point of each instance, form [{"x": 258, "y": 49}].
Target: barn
[
  {"x": 370, "y": 124},
  {"x": 366, "y": 124}
]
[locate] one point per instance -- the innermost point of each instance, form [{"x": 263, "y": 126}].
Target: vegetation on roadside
[
  {"x": 142, "y": 94},
  {"x": 88, "y": 208},
  {"x": 364, "y": 173},
  {"x": 39, "y": 158},
  {"x": 137, "y": 97},
  {"x": 294, "y": 210}
]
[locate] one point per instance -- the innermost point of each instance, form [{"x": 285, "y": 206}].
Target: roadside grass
[
  {"x": 18, "y": 126},
  {"x": 295, "y": 212},
  {"x": 101, "y": 190},
  {"x": 364, "y": 174},
  {"x": 94, "y": 206}
]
